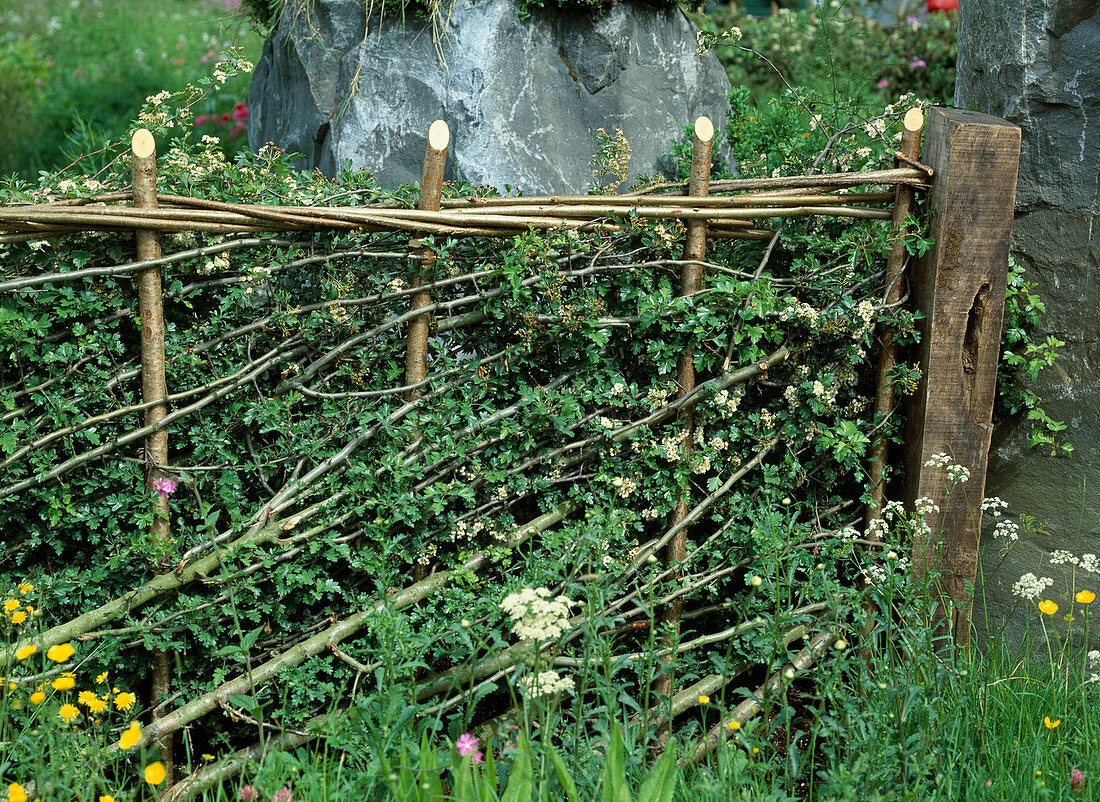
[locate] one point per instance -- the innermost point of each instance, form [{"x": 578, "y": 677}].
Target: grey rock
[
  {"x": 1036, "y": 63},
  {"x": 523, "y": 97}
]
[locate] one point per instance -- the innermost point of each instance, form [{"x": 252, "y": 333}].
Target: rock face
[
  {"x": 1036, "y": 63},
  {"x": 523, "y": 97}
]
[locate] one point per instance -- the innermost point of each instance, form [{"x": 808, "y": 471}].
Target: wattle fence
[{"x": 963, "y": 185}]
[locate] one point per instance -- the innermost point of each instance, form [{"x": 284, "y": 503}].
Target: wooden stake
[
  {"x": 154, "y": 388},
  {"x": 431, "y": 190},
  {"x": 912, "y": 126},
  {"x": 959, "y": 285},
  {"x": 691, "y": 281},
  {"x": 416, "y": 342}
]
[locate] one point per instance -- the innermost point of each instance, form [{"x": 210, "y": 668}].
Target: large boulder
[
  {"x": 1036, "y": 63},
  {"x": 523, "y": 97}
]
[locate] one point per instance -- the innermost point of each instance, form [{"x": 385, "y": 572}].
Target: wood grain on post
[
  {"x": 431, "y": 190},
  {"x": 912, "y": 126},
  {"x": 154, "y": 387},
  {"x": 691, "y": 281},
  {"x": 959, "y": 285}
]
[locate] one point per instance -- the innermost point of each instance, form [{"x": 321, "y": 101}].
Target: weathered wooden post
[
  {"x": 416, "y": 339},
  {"x": 154, "y": 388},
  {"x": 959, "y": 285},
  {"x": 691, "y": 281}
]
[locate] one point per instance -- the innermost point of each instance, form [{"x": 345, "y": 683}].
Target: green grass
[{"x": 74, "y": 74}]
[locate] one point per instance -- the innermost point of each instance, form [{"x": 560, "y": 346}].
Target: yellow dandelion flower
[
  {"x": 30, "y": 609},
  {"x": 130, "y": 737},
  {"x": 124, "y": 700},
  {"x": 26, "y": 652},
  {"x": 106, "y": 798},
  {"x": 68, "y": 713},
  {"x": 38, "y": 697},
  {"x": 16, "y": 793},
  {"x": 60, "y": 652},
  {"x": 19, "y": 616},
  {"x": 25, "y": 588},
  {"x": 208, "y": 756},
  {"x": 1085, "y": 597},
  {"x": 704, "y": 699},
  {"x": 735, "y": 725},
  {"x": 101, "y": 678},
  {"x": 1050, "y": 723},
  {"x": 1048, "y": 607},
  {"x": 11, "y": 604},
  {"x": 86, "y": 698},
  {"x": 65, "y": 682},
  {"x": 154, "y": 773},
  {"x": 97, "y": 706}
]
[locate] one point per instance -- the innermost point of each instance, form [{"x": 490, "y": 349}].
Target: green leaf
[
  {"x": 521, "y": 780},
  {"x": 564, "y": 777},
  {"x": 660, "y": 785},
  {"x": 613, "y": 786}
]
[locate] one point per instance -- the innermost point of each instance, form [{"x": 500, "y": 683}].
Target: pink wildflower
[
  {"x": 917, "y": 63},
  {"x": 1077, "y": 781},
  {"x": 284, "y": 794},
  {"x": 240, "y": 111},
  {"x": 164, "y": 486},
  {"x": 202, "y": 119},
  {"x": 467, "y": 746},
  {"x": 883, "y": 83},
  {"x": 248, "y": 792}
]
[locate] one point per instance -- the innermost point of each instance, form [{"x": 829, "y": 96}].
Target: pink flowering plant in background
[
  {"x": 165, "y": 486},
  {"x": 467, "y": 747}
]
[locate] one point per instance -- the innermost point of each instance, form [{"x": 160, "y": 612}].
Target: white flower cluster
[
  {"x": 545, "y": 683},
  {"x": 657, "y": 395},
  {"x": 650, "y": 514},
  {"x": 994, "y": 506},
  {"x": 699, "y": 464},
  {"x": 878, "y": 573},
  {"x": 768, "y": 419},
  {"x": 537, "y": 616},
  {"x": 727, "y": 402},
  {"x": 799, "y": 311},
  {"x": 956, "y": 474},
  {"x": 826, "y": 395},
  {"x": 216, "y": 264},
  {"x": 850, "y": 532},
  {"x": 1086, "y": 562},
  {"x": 605, "y": 423},
  {"x": 939, "y": 460},
  {"x": 1007, "y": 530},
  {"x": 1030, "y": 587},
  {"x": 618, "y": 388},
  {"x": 926, "y": 506},
  {"x": 1094, "y": 665},
  {"x": 866, "y": 312},
  {"x": 671, "y": 448},
  {"x": 718, "y": 444},
  {"x": 624, "y": 485},
  {"x": 875, "y": 127},
  {"x": 428, "y": 553}
]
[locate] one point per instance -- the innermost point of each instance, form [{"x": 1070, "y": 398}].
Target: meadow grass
[
  {"x": 898, "y": 714},
  {"x": 74, "y": 73}
]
